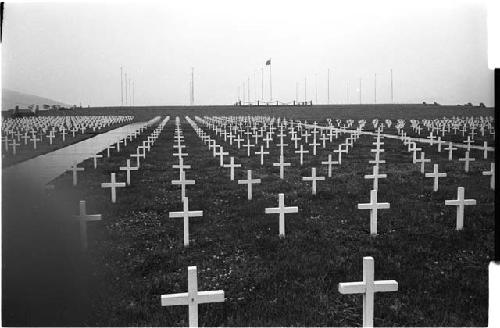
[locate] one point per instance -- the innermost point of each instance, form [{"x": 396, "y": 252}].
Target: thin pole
[
  {"x": 248, "y": 86},
  {"x": 262, "y": 91},
  {"x": 121, "y": 84},
  {"x": 126, "y": 91},
  {"x": 316, "y": 86},
  {"x": 305, "y": 89},
  {"x": 328, "y": 88},
  {"x": 392, "y": 90},
  {"x": 360, "y": 91},
  {"x": 297, "y": 92},
  {"x": 192, "y": 86},
  {"x": 375, "y": 88},
  {"x": 255, "y": 85},
  {"x": 270, "y": 83}
]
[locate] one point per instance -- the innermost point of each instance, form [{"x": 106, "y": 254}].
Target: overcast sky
[{"x": 73, "y": 52}]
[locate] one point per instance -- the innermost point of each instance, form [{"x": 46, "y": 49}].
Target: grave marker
[
  {"x": 282, "y": 210},
  {"x": 460, "y": 202},
  {"x": 193, "y": 297},
  {"x": 368, "y": 287},
  {"x": 186, "y": 214}
]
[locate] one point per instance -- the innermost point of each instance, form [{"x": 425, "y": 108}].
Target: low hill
[{"x": 11, "y": 98}]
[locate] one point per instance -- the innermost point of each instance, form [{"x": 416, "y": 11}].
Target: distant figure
[
  {"x": 468, "y": 104},
  {"x": 482, "y": 105},
  {"x": 424, "y": 103},
  {"x": 436, "y": 104}
]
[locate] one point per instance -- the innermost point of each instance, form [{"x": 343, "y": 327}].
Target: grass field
[{"x": 136, "y": 253}]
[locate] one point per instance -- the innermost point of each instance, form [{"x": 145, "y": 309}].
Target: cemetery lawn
[{"x": 136, "y": 252}]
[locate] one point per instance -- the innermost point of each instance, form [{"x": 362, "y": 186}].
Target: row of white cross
[
  {"x": 30, "y": 132},
  {"x": 83, "y": 217}
]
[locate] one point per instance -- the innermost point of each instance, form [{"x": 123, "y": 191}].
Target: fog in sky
[{"x": 72, "y": 52}]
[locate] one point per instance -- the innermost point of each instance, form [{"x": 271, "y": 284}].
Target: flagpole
[
  {"x": 262, "y": 90},
  {"x": 305, "y": 89},
  {"x": 392, "y": 90},
  {"x": 360, "y": 91},
  {"x": 121, "y": 84},
  {"x": 328, "y": 88},
  {"x": 316, "y": 87},
  {"x": 126, "y": 92},
  {"x": 270, "y": 83},
  {"x": 297, "y": 92}
]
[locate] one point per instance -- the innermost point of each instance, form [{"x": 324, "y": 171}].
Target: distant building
[{"x": 31, "y": 110}]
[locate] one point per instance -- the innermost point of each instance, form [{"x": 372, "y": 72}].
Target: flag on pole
[{"x": 268, "y": 62}]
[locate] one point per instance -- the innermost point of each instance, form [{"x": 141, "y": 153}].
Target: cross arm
[
  {"x": 174, "y": 299},
  {"x": 385, "y": 286},
  {"x": 352, "y": 287},
  {"x": 213, "y": 296}
]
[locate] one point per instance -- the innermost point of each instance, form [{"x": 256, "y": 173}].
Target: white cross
[
  {"x": 436, "y": 175},
  {"x": 221, "y": 154},
  {"x": 467, "y": 159},
  {"x": 373, "y": 206},
  {"x": 439, "y": 143},
  {"x": 491, "y": 172},
  {"x": 262, "y": 153},
  {"x": 422, "y": 162},
  {"x": 249, "y": 181},
  {"x": 314, "y": 144},
  {"x": 51, "y": 137},
  {"x": 26, "y": 138},
  {"x": 14, "y": 145},
  {"x": 183, "y": 182},
  {"x": 368, "y": 287},
  {"x": 340, "y": 151},
  {"x": 96, "y": 156},
  {"x": 450, "y": 150},
  {"x": 302, "y": 152},
  {"x": 485, "y": 150},
  {"x": 375, "y": 176},
  {"x": 180, "y": 153},
  {"x": 185, "y": 214},
  {"x": 248, "y": 145},
  {"x": 313, "y": 178},
  {"x": 460, "y": 202},
  {"x": 231, "y": 165},
  {"x": 181, "y": 166},
  {"x": 282, "y": 210},
  {"x": 193, "y": 297},
  {"x": 110, "y": 147},
  {"x": 377, "y": 160},
  {"x": 128, "y": 168},
  {"x": 83, "y": 217},
  {"x": 239, "y": 140},
  {"x": 468, "y": 142},
  {"x": 323, "y": 138},
  {"x": 282, "y": 165},
  {"x": 431, "y": 137},
  {"x": 329, "y": 162},
  {"x": 113, "y": 185},
  {"x": 267, "y": 139},
  {"x": 34, "y": 139},
  {"x": 75, "y": 170}
]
